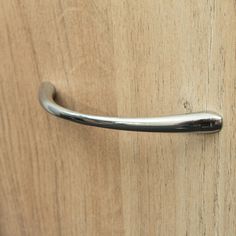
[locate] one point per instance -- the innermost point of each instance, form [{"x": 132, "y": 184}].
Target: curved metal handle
[{"x": 207, "y": 122}]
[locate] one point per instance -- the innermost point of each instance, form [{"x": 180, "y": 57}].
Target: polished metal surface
[{"x": 204, "y": 122}]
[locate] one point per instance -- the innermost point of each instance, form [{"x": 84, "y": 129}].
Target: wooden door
[{"x": 118, "y": 58}]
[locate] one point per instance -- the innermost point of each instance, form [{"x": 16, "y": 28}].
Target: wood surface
[{"x": 131, "y": 58}]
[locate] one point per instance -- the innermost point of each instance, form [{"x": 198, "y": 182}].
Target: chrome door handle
[{"x": 204, "y": 122}]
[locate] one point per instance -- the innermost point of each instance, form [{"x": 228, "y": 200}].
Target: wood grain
[{"x": 120, "y": 58}]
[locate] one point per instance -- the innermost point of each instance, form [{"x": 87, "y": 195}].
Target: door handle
[{"x": 203, "y": 122}]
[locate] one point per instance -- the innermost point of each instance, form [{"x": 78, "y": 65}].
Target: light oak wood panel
[{"x": 119, "y": 58}]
